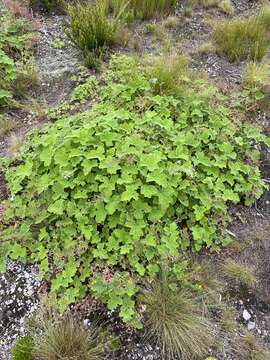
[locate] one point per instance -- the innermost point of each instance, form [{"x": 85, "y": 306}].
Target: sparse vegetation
[
  {"x": 243, "y": 38},
  {"x": 6, "y": 126},
  {"x": 239, "y": 273},
  {"x": 251, "y": 349}
]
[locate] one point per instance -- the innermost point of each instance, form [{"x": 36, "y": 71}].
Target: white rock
[
  {"x": 246, "y": 315},
  {"x": 251, "y": 325}
]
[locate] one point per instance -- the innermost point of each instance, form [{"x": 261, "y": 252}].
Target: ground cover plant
[
  {"x": 105, "y": 198},
  {"x": 243, "y": 38}
]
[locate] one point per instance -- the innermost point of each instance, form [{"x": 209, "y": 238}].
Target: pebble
[
  {"x": 251, "y": 325},
  {"x": 246, "y": 315}
]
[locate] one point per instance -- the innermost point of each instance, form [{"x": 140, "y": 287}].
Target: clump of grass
[
  {"x": 256, "y": 75},
  {"x": 175, "y": 320},
  {"x": 26, "y": 78},
  {"x": 239, "y": 273},
  {"x": 6, "y": 126},
  {"x": 226, "y": 6},
  {"x": 68, "y": 340},
  {"x": 206, "y": 48},
  {"x": 251, "y": 349},
  {"x": 24, "y": 349},
  {"x": 171, "y": 22},
  {"x": 228, "y": 319},
  {"x": 243, "y": 38},
  {"x": 169, "y": 73},
  {"x": 142, "y": 9},
  {"x": 90, "y": 29}
]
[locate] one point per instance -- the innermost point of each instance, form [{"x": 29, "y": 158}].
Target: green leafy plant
[
  {"x": 243, "y": 38},
  {"x": 24, "y": 349},
  {"x": 105, "y": 196},
  {"x": 15, "y": 35},
  {"x": 175, "y": 320},
  {"x": 91, "y": 30}
]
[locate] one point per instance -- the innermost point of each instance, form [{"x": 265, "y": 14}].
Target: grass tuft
[
  {"x": 256, "y": 75},
  {"x": 243, "y": 38},
  {"x": 239, "y": 273},
  {"x": 169, "y": 73},
  {"x": 68, "y": 340},
  {"x": 175, "y": 320},
  {"x": 6, "y": 126},
  {"x": 90, "y": 29},
  {"x": 141, "y": 9}
]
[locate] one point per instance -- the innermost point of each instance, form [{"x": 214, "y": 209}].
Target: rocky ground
[{"x": 19, "y": 285}]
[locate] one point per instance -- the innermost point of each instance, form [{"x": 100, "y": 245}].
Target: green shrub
[
  {"x": 67, "y": 340},
  {"x": 141, "y": 9},
  {"x": 90, "y": 29},
  {"x": 242, "y": 39},
  {"x": 101, "y": 198},
  {"x": 175, "y": 320},
  {"x": 24, "y": 349}
]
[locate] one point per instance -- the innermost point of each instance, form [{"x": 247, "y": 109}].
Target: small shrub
[
  {"x": 239, "y": 273},
  {"x": 90, "y": 29},
  {"x": 175, "y": 320},
  {"x": 24, "y": 349},
  {"x": 66, "y": 339},
  {"x": 242, "y": 39},
  {"x": 26, "y": 78}
]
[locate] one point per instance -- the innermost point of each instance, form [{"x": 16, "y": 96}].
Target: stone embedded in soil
[
  {"x": 251, "y": 325},
  {"x": 246, "y": 315}
]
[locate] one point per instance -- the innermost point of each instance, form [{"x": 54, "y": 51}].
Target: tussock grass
[
  {"x": 250, "y": 348},
  {"x": 142, "y": 9},
  {"x": 226, "y": 6},
  {"x": 239, "y": 273},
  {"x": 244, "y": 38},
  {"x": 175, "y": 320},
  {"x": 90, "y": 29},
  {"x": 169, "y": 73},
  {"x": 6, "y": 126},
  {"x": 68, "y": 340},
  {"x": 256, "y": 75}
]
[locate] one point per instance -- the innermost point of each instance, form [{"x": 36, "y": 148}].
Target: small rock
[
  {"x": 246, "y": 315},
  {"x": 251, "y": 325}
]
